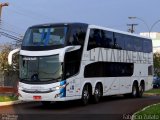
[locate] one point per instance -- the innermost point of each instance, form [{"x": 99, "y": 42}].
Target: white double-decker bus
[{"x": 69, "y": 61}]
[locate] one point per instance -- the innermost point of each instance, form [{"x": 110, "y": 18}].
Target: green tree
[
  {"x": 156, "y": 60},
  {"x": 4, "y": 66}
]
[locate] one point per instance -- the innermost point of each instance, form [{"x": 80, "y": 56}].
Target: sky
[{"x": 20, "y": 14}]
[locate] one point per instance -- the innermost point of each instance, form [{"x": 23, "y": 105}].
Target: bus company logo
[
  {"x": 104, "y": 54},
  {"x": 29, "y": 58}
]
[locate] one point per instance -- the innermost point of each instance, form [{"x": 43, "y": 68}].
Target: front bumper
[
  {"x": 52, "y": 96},
  {"x": 43, "y": 92}
]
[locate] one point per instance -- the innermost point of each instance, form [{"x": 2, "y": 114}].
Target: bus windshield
[
  {"x": 40, "y": 69},
  {"x": 45, "y": 36}
]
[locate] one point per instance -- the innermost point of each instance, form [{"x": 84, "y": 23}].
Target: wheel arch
[{"x": 135, "y": 82}]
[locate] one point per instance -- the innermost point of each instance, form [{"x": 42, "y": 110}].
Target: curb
[
  {"x": 11, "y": 103},
  {"x": 151, "y": 94},
  {"x": 143, "y": 110}
]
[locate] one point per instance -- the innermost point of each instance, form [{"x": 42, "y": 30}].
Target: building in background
[{"x": 155, "y": 36}]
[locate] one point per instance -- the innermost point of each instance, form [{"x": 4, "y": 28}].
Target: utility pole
[
  {"x": 1, "y": 6},
  {"x": 131, "y": 27}
]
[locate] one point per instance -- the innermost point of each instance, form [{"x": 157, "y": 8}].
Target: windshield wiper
[
  {"x": 23, "y": 79},
  {"x": 53, "y": 79}
]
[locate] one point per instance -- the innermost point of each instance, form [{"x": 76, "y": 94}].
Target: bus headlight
[{"x": 58, "y": 87}]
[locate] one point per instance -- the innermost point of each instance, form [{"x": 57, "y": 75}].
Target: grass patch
[
  {"x": 7, "y": 98},
  {"x": 154, "y": 91},
  {"x": 150, "y": 113}
]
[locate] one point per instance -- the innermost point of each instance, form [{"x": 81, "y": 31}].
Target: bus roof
[
  {"x": 59, "y": 24},
  {"x": 90, "y": 26}
]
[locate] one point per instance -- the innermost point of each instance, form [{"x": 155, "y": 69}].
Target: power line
[
  {"x": 22, "y": 14},
  {"x": 28, "y": 15},
  {"x": 11, "y": 36},
  {"x": 10, "y": 31},
  {"x": 13, "y": 26},
  {"x": 30, "y": 12},
  {"x": 7, "y": 33},
  {"x": 17, "y": 41},
  {"x": 7, "y": 25}
]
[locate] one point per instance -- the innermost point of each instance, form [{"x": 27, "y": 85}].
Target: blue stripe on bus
[
  {"x": 65, "y": 31},
  {"x": 47, "y": 37},
  {"x": 63, "y": 90},
  {"x": 42, "y": 37}
]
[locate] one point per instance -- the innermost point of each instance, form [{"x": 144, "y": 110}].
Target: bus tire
[
  {"x": 135, "y": 90},
  {"x": 141, "y": 89},
  {"x": 97, "y": 93},
  {"x": 46, "y": 103},
  {"x": 85, "y": 95}
]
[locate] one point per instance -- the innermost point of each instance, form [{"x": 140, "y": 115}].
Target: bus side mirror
[{"x": 11, "y": 54}]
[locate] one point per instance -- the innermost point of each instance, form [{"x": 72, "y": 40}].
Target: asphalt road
[{"x": 110, "y": 108}]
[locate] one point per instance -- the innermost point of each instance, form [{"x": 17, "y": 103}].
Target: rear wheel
[
  {"x": 85, "y": 95},
  {"x": 141, "y": 90},
  {"x": 97, "y": 93},
  {"x": 135, "y": 90}
]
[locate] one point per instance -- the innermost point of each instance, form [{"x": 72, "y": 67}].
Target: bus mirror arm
[
  {"x": 67, "y": 49},
  {"x": 11, "y": 54}
]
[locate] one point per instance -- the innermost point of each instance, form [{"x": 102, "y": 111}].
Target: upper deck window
[{"x": 45, "y": 36}]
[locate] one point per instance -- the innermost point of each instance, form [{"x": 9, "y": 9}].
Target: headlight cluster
[{"x": 58, "y": 87}]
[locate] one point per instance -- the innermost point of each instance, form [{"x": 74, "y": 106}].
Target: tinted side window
[
  {"x": 77, "y": 36},
  {"x": 100, "y": 38},
  {"x": 108, "y": 69},
  {"x": 147, "y": 46},
  {"x": 72, "y": 59},
  {"x": 119, "y": 41},
  {"x": 138, "y": 44},
  {"x": 72, "y": 63},
  {"x": 150, "y": 70},
  {"x": 108, "y": 40},
  {"x": 91, "y": 42},
  {"x": 129, "y": 43}
]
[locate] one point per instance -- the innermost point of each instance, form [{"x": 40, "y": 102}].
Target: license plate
[{"x": 37, "y": 97}]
